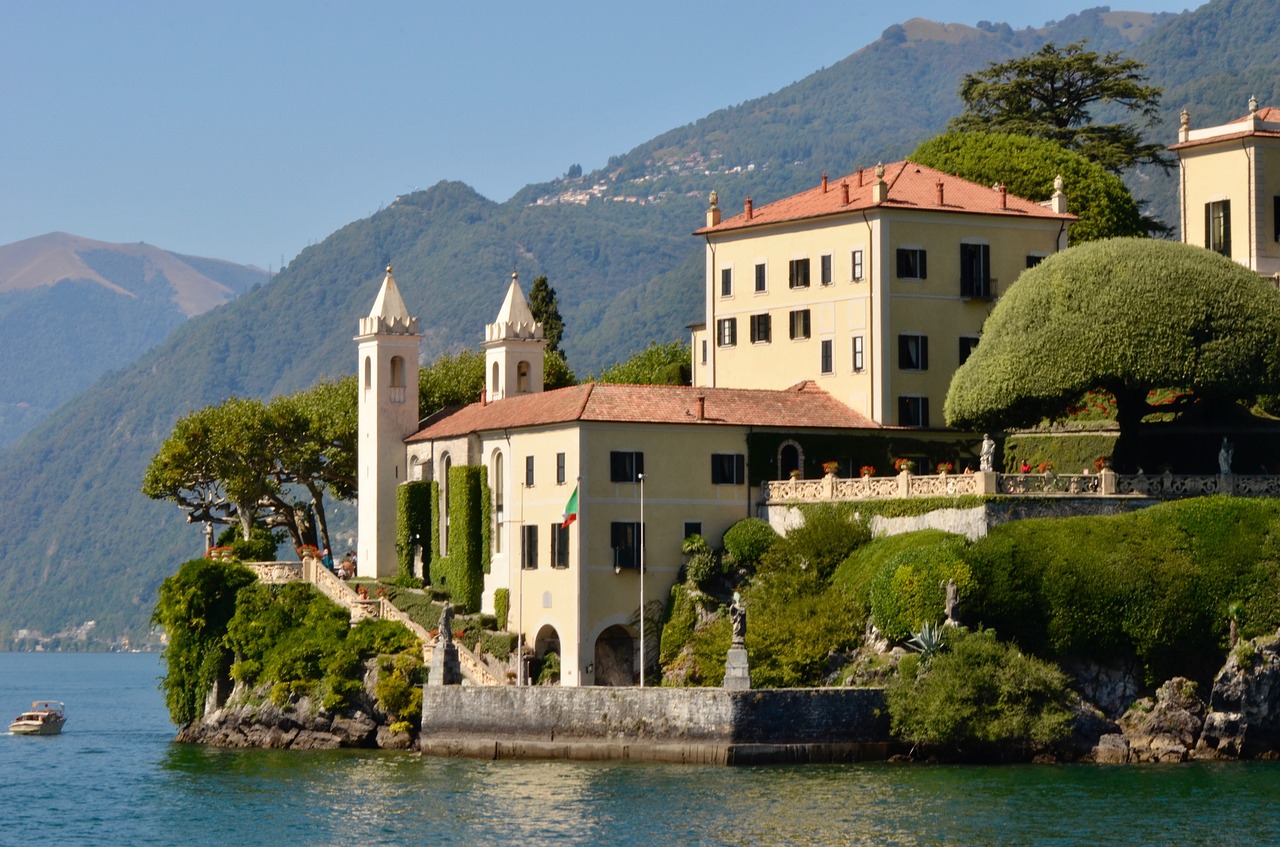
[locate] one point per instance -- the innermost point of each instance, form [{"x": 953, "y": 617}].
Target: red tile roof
[
  {"x": 803, "y": 406},
  {"x": 911, "y": 186}
]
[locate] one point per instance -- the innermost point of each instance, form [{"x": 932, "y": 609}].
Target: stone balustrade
[
  {"x": 277, "y": 573},
  {"x": 1107, "y": 483}
]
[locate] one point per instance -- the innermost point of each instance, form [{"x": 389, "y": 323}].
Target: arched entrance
[
  {"x": 615, "y": 657},
  {"x": 545, "y": 668}
]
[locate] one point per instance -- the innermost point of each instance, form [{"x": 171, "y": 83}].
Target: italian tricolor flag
[{"x": 570, "y": 510}]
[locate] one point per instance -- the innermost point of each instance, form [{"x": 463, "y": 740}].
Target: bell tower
[
  {"x": 388, "y": 343},
  {"x": 513, "y": 349}
]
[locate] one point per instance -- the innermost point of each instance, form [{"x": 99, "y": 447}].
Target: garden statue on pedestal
[
  {"x": 445, "y": 668},
  {"x": 737, "y": 675}
]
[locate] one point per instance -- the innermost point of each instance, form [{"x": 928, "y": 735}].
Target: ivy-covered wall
[
  {"x": 413, "y": 520},
  {"x": 461, "y": 570}
]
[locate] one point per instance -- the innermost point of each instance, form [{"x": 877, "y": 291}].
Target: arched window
[
  {"x": 494, "y": 393},
  {"x": 522, "y": 378},
  {"x": 496, "y": 483},
  {"x": 446, "y": 462},
  {"x": 368, "y": 372},
  {"x": 790, "y": 458}
]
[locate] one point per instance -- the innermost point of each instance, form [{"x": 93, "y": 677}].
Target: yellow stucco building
[
  {"x": 1229, "y": 188},
  {"x": 875, "y": 286}
]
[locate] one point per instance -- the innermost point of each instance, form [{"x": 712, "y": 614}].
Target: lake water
[{"x": 114, "y": 778}]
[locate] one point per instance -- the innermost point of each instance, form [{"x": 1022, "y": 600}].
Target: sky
[{"x": 249, "y": 130}]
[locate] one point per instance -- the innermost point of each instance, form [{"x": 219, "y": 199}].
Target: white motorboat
[{"x": 45, "y": 717}]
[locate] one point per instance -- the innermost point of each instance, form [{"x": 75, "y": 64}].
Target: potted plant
[
  {"x": 904, "y": 465},
  {"x": 795, "y": 473},
  {"x": 868, "y": 470},
  {"x": 945, "y": 467},
  {"x": 830, "y": 468}
]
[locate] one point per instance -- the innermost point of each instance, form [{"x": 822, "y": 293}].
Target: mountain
[
  {"x": 80, "y": 541},
  {"x": 72, "y": 308}
]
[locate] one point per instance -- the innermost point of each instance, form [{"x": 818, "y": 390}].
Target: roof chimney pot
[
  {"x": 940, "y": 201},
  {"x": 747, "y": 208},
  {"x": 824, "y": 182}
]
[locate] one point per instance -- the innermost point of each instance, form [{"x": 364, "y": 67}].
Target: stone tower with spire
[
  {"x": 388, "y": 342},
  {"x": 513, "y": 348}
]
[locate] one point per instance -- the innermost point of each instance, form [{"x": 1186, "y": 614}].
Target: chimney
[
  {"x": 824, "y": 182},
  {"x": 845, "y": 186},
  {"x": 880, "y": 191},
  {"x": 1058, "y": 202},
  {"x": 1184, "y": 127},
  {"x": 702, "y": 407},
  {"x": 859, "y": 177},
  {"x": 746, "y": 208},
  {"x": 940, "y": 200},
  {"x": 484, "y": 397},
  {"x": 1004, "y": 196}
]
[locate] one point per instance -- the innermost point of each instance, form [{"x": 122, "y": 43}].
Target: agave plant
[{"x": 927, "y": 641}]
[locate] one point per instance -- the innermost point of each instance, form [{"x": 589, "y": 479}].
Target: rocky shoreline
[{"x": 1240, "y": 720}]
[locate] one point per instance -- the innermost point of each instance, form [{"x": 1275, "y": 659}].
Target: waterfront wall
[{"x": 695, "y": 725}]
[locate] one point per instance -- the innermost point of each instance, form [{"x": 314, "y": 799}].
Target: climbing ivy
[
  {"x": 413, "y": 518},
  {"x": 461, "y": 570}
]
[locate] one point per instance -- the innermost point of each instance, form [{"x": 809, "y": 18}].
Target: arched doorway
[
  {"x": 615, "y": 657},
  {"x": 790, "y": 458},
  {"x": 545, "y": 668}
]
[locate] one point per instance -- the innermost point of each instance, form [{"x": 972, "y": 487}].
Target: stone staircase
[{"x": 474, "y": 671}]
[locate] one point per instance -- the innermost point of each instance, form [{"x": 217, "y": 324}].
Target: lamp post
[{"x": 642, "y": 655}]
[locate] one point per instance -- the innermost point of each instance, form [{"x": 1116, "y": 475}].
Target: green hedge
[
  {"x": 461, "y": 572},
  {"x": 413, "y": 518},
  {"x": 502, "y": 606},
  {"x": 1068, "y": 453},
  {"x": 907, "y": 591}
]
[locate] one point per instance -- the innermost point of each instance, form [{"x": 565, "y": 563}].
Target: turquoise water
[{"x": 114, "y": 778}]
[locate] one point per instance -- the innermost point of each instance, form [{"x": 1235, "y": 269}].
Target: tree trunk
[{"x": 1131, "y": 408}]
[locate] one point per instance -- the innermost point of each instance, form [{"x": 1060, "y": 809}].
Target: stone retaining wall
[{"x": 695, "y": 725}]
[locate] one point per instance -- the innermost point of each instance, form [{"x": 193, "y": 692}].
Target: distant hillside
[
  {"x": 81, "y": 543},
  {"x": 72, "y": 309}
]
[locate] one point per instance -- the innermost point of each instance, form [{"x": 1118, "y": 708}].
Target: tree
[
  {"x": 657, "y": 364},
  {"x": 1128, "y": 316},
  {"x": 1027, "y": 167},
  {"x": 1051, "y": 93},
  {"x": 546, "y": 311},
  {"x": 456, "y": 379}
]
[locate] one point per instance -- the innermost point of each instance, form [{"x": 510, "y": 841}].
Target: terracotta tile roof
[
  {"x": 803, "y": 406},
  {"x": 911, "y": 186}
]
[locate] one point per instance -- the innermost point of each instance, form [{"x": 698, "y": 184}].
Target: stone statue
[
  {"x": 987, "y": 455},
  {"x": 1225, "y": 453},
  {"x": 738, "y": 617},
  {"x": 952, "y": 603},
  {"x": 446, "y": 625}
]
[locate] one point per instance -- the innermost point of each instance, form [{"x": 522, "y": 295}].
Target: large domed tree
[{"x": 1128, "y": 316}]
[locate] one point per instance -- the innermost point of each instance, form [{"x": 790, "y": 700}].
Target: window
[
  {"x": 624, "y": 538},
  {"x": 728, "y": 468},
  {"x": 857, "y": 265},
  {"x": 827, "y": 365},
  {"x": 1275, "y": 217},
  {"x": 968, "y": 343},
  {"x": 397, "y": 379},
  {"x": 1034, "y": 259},
  {"x": 522, "y": 378},
  {"x": 692, "y": 528},
  {"x": 528, "y": 472},
  {"x": 798, "y": 275},
  {"x": 975, "y": 271},
  {"x": 529, "y": 547},
  {"x": 911, "y": 263},
  {"x": 761, "y": 283},
  {"x": 913, "y": 352},
  {"x": 559, "y": 546},
  {"x": 1217, "y": 227},
  {"x": 761, "y": 329},
  {"x": 704, "y": 351},
  {"x": 559, "y": 469},
  {"x": 625, "y": 466},
  {"x": 498, "y": 488},
  {"x": 726, "y": 282},
  {"x": 826, "y": 270},
  {"x": 913, "y": 411},
  {"x": 727, "y": 332},
  {"x": 859, "y": 355},
  {"x": 790, "y": 458},
  {"x": 800, "y": 324}
]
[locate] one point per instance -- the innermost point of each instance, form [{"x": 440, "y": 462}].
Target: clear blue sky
[{"x": 248, "y": 130}]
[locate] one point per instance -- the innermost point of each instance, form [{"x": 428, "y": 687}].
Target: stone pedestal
[
  {"x": 445, "y": 669},
  {"x": 737, "y": 676}
]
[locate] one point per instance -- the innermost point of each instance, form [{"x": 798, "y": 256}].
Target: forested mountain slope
[
  {"x": 82, "y": 543},
  {"x": 72, "y": 308}
]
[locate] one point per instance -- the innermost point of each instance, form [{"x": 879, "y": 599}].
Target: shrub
[
  {"x": 500, "y": 645},
  {"x": 793, "y": 627},
  {"x": 980, "y": 696},
  {"x": 681, "y": 618},
  {"x": 908, "y": 592},
  {"x": 747, "y": 540},
  {"x": 461, "y": 572},
  {"x": 703, "y": 564}
]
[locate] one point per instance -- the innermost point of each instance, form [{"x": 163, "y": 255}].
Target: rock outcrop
[
  {"x": 1159, "y": 729},
  {"x": 1245, "y": 717}
]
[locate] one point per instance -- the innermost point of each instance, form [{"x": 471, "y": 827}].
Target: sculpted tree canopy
[
  {"x": 1129, "y": 316},
  {"x": 1050, "y": 94},
  {"x": 1028, "y": 166}
]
